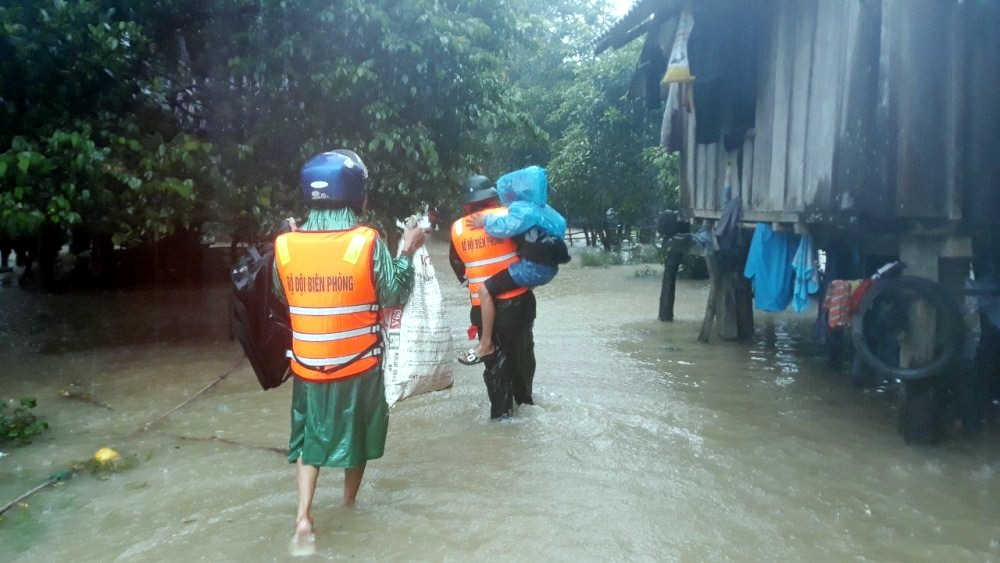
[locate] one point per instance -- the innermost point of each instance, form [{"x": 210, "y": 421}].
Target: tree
[
  {"x": 179, "y": 113},
  {"x": 575, "y": 118},
  {"x": 538, "y": 77},
  {"x": 413, "y": 86},
  {"x": 64, "y": 66},
  {"x": 138, "y": 122},
  {"x": 606, "y": 170}
]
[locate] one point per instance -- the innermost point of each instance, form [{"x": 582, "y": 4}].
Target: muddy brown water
[{"x": 644, "y": 445}]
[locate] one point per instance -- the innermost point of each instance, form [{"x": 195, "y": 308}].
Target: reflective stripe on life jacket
[
  {"x": 328, "y": 280},
  {"x": 483, "y": 255}
]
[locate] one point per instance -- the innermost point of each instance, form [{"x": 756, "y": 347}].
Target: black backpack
[
  {"x": 258, "y": 319},
  {"x": 539, "y": 246}
]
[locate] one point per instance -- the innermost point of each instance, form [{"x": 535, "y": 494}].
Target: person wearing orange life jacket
[
  {"x": 539, "y": 231},
  {"x": 475, "y": 257},
  {"x": 335, "y": 275}
]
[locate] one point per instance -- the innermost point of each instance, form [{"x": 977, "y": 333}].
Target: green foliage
[
  {"x": 605, "y": 159},
  {"x": 646, "y": 254},
  {"x": 21, "y": 424},
  {"x": 542, "y": 71},
  {"x": 61, "y": 62},
  {"x": 593, "y": 258},
  {"x": 411, "y": 86},
  {"x": 416, "y": 87},
  {"x": 168, "y": 185},
  {"x": 134, "y": 120},
  {"x": 77, "y": 153},
  {"x": 103, "y": 470},
  {"x": 647, "y": 271},
  {"x": 637, "y": 254},
  {"x": 49, "y": 180},
  {"x": 693, "y": 268}
]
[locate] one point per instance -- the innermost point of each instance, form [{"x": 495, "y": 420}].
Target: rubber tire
[{"x": 953, "y": 328}]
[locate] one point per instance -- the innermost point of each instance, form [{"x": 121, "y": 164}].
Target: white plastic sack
[
  {"x": 678, "y": 68},
  {"x": 418, "y": 353}
]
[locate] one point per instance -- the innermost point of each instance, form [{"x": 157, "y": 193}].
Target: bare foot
[{"x": 304, "y": 541}]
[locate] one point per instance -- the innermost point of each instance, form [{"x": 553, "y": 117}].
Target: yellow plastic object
[{"x": 105, "y": 455}]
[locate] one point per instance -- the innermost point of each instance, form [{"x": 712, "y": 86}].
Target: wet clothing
[
  {"x": 528, "y": 273},
  {"x": 769, "y": 265},
  {"x": 541, "y": 254},
  {"x": 501, "y": 283},
  {"x": 525, "y": 193},
  {"x": 547, "y": 254},
  {"x": 338, "y": 424},
  {"x": 806, "y": 274},
  {"x": 510, "y": 371},
  {"x": 540, "y": 228},
  {"x": 482, "y": 255},
  {"x": 343, "y": 423},
  {"x": 331, "y": 301}
]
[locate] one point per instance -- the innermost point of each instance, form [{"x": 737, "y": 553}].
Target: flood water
[{"x": 644, "y": 444}]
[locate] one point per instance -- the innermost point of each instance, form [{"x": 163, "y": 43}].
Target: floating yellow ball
[{"x": 106, "y": 455}]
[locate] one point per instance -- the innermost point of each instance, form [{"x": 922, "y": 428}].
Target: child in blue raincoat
[{"x": 539, "y": 230}]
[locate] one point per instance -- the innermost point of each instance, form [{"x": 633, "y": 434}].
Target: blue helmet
[{"x": 337, "y": 175}]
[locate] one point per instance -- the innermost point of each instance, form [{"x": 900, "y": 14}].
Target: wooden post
[
  {"x": 916, "y": 348},
  {"x": 714, "y": 295},
  {"x": 744, "y": 296},
  {"x": 677, "y": 247},
  {"x": 727, "y": 317},
  {"x": 744, "y": 307}
]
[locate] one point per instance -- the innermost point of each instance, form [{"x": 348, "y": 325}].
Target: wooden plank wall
[
  {"x": 705, "y": 169},
  {"x": 982, "y": 122},
  {"x": 801, "y": 94},
  {"x": 860, "y": 108},
  {"x": 701, "y": 185},
  {"x": 787, "y": 160},
  {"x": 924, "y": 77}
]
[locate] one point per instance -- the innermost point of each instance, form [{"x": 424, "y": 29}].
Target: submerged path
[{"x": 644, "y": 445}]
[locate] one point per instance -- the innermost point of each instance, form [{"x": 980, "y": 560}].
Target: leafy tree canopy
[{"x": 133, "y": 120}]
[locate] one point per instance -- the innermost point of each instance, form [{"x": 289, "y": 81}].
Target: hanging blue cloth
[
  {"x": 769, "y": 266},
  {"x": 806, "y": 275}
]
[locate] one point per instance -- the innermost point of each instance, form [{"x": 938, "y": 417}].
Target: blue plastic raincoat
[{"x": 525, "y": 193}]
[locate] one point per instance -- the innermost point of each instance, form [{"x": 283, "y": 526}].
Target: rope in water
[
  {"x": 54, "y": 478},
  {"x": 218, "y": 380},
  {"x": 64, "y": 475}
]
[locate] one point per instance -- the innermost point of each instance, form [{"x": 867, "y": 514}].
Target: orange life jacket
[
  {"x": 483, "y": 255},
  {"x": 329, "y": 283}
]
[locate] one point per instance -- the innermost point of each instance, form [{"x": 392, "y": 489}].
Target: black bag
[
  {"x": 539, "y": 246},
  {"x": 258, "y": 319}
]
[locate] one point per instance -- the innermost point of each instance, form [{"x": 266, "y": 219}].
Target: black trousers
[{"x": 510, "y": 372}]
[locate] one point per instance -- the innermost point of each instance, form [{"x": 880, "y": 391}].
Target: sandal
[{"x": 471, "y": 358}]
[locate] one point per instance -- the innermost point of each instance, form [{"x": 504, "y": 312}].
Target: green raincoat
[{"x": 344, "y": 423}]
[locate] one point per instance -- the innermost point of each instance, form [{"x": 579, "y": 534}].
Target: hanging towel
[
  {"x": 806, "y": 276},
  {"x": 769, "y": 266}
]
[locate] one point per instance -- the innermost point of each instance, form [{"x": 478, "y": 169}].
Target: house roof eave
[{"x": 635, "y": 23}]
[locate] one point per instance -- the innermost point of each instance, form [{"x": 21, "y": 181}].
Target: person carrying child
[{"x": 538, "y": 231}]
